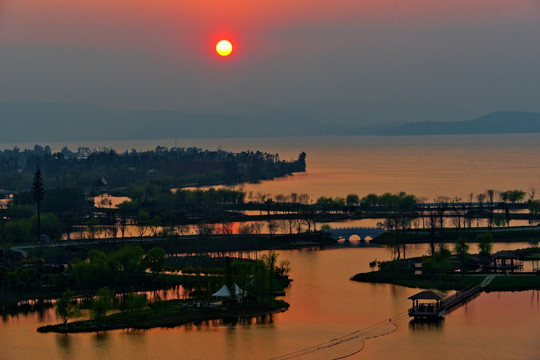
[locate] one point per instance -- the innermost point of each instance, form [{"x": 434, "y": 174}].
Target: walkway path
[{"x": 487, "y": 280}]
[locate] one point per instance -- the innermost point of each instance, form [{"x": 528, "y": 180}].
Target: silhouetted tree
[
  {"x": 485, "y": 243},
  {"x": 491, "y": 199},
  {"x": 102, "y": 303},
  {"x": 442, "y": 203},
  {"x": 65, "y": 307},
  {"x": 155, "y": 259},
  {"x": 461, "y": 249},
  {"x": 38, "y": 192},
  {"x": 480, "y": 198},
  {"x": 352, "y": 199},
  {"x": 432, "y": 230}
]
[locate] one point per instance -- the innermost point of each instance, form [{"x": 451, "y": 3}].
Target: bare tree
[
  {"x": 154, "y": 225},
  {"x": 122, "y": 224},
  {"x": 272, "y": 227},
  {"x": 307, "y": 217},
  {"x": 111, "y": 231},
  {"x": 283, "y": 227},
  {"x": 294, "y": 198},
  {"x": 303, "y": 198},
  {"x": 432, "y": 230},
  {"x": 182, "y": 229},
  {"x": 245, "y": 229},
  {"x": 226, "y": 228},
  {"x": 505, "y": 196},
  {"x": 459, "y": 211},
  {"x": 38, "y": 192},
  {"x": 491, "y": 207},
  {"x": 480, "y": 198},
  {"x": 257, "y": 227},
  {"x": 204, "y": 232},
  {"x": 142, "y": 220},
  {"x": 422, "y": 201},
  {"x": 532, "y": 193},
  {"x": 141, "y": 229},
  {"x": 94, "y": 229},
  {"x": 441, "y": 203}
]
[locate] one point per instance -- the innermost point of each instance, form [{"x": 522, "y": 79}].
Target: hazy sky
[{"x": 362, "y": 60}]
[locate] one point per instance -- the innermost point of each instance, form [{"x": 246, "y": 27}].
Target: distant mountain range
[
  {"x": 25, "y": 121},
  {"x": 502, "y": 122}
]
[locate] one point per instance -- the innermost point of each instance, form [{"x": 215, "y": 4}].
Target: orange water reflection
[{"x": 324, "y": 304}]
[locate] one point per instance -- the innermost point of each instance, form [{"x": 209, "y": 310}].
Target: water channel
[{"x": 325, "y": 305}]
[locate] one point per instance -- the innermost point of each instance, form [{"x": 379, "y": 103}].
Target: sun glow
[{"x": 224, "y": 47}]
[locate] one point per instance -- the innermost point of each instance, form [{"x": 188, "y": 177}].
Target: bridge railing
[{"x": 357, "y": 228}]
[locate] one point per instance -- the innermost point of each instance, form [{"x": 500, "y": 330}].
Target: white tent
[{"x": 224, "y": 292}]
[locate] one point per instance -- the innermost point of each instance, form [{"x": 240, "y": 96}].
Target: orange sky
[
  {"x": 143, "y": 23},
  {"x": 373, "y": 50}
]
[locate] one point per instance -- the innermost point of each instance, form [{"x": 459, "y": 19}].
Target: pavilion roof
[
  {"x": 427, "y": 295},
  {"x": 504, "y": 255}
]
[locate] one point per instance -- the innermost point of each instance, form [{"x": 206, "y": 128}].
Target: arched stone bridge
[{"x": 361, "y": 232}]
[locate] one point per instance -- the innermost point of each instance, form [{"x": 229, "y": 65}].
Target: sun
[{"x": 224, "y": 47}]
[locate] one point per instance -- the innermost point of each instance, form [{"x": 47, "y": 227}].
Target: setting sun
[{"x": 224, "y": 47}]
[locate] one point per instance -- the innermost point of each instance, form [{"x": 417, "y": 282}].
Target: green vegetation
[
  {"x": 154, "y": 260},
  {"x": 65, "y": 308},
  {"x": 438, "y": 263},
  {"x": 93, "y": 169},
  {"x": 101, "y": 263},
  {"x": 408, "y": 279},
  {"x": 38, "y": 193},
  {"x": 259, "y": 279},
  {"x": 168, "y": 314},
  {"x": 439, "y": 271},
  {"x": 461, "y": 249},
  {"x": 121, "y": 270},
  {"x": 421, "y": 236},
  {"x": 514, "y": 283},
  {"x": 485, "y": 243},
  {"x": 133, "y": 302},
  {"x": 102, "y": 303},
  {"x": 58, "y": 186}
]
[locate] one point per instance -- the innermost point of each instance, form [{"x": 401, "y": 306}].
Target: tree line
[{"x": 105, "y": 168}]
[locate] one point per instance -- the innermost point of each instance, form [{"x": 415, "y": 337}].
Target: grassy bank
[
  {"x": 514, "y": 283},
  {"x": 451, "y": 281},
  {"x": 168, "y": 314},
  {"x": 408, "y": 279},
  {"x": 450, "y": 235},
  {"x": 65, "y": 251}
]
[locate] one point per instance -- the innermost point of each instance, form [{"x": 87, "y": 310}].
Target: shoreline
[
  {"x": 511, "y": 282},
  {"x": 167, "y": 314},
  {"x": 449, "y": 273}
]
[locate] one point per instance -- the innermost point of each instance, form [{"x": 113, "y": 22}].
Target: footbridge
[{"x": 362, "y": 232}]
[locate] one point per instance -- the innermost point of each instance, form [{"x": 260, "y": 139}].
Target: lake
[
  {"x": 325, "y": 305},
  {"x": 427, "y": 166}
]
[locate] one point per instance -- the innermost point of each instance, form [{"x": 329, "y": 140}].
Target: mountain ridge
[
  {"x": 31, "y": 121},
  {"x": 499, "y": 122}
]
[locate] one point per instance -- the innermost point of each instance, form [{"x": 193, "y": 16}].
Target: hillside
[
  {"x": 494, "y": 123},
  {"x": 26, "y": 121}
]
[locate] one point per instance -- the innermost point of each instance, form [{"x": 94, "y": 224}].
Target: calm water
[
  {"x": 325, "y": 305},
  {"x": 426, "y": 166}
]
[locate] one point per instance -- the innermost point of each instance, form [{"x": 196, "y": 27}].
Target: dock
[
  {"x": 430, "y": 305},
  {"x": 460, "y": 297}
]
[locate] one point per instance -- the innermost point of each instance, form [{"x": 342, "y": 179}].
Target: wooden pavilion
[
  {"x": 427, "y": 305},
  {"x": 506, "y": 261}
]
